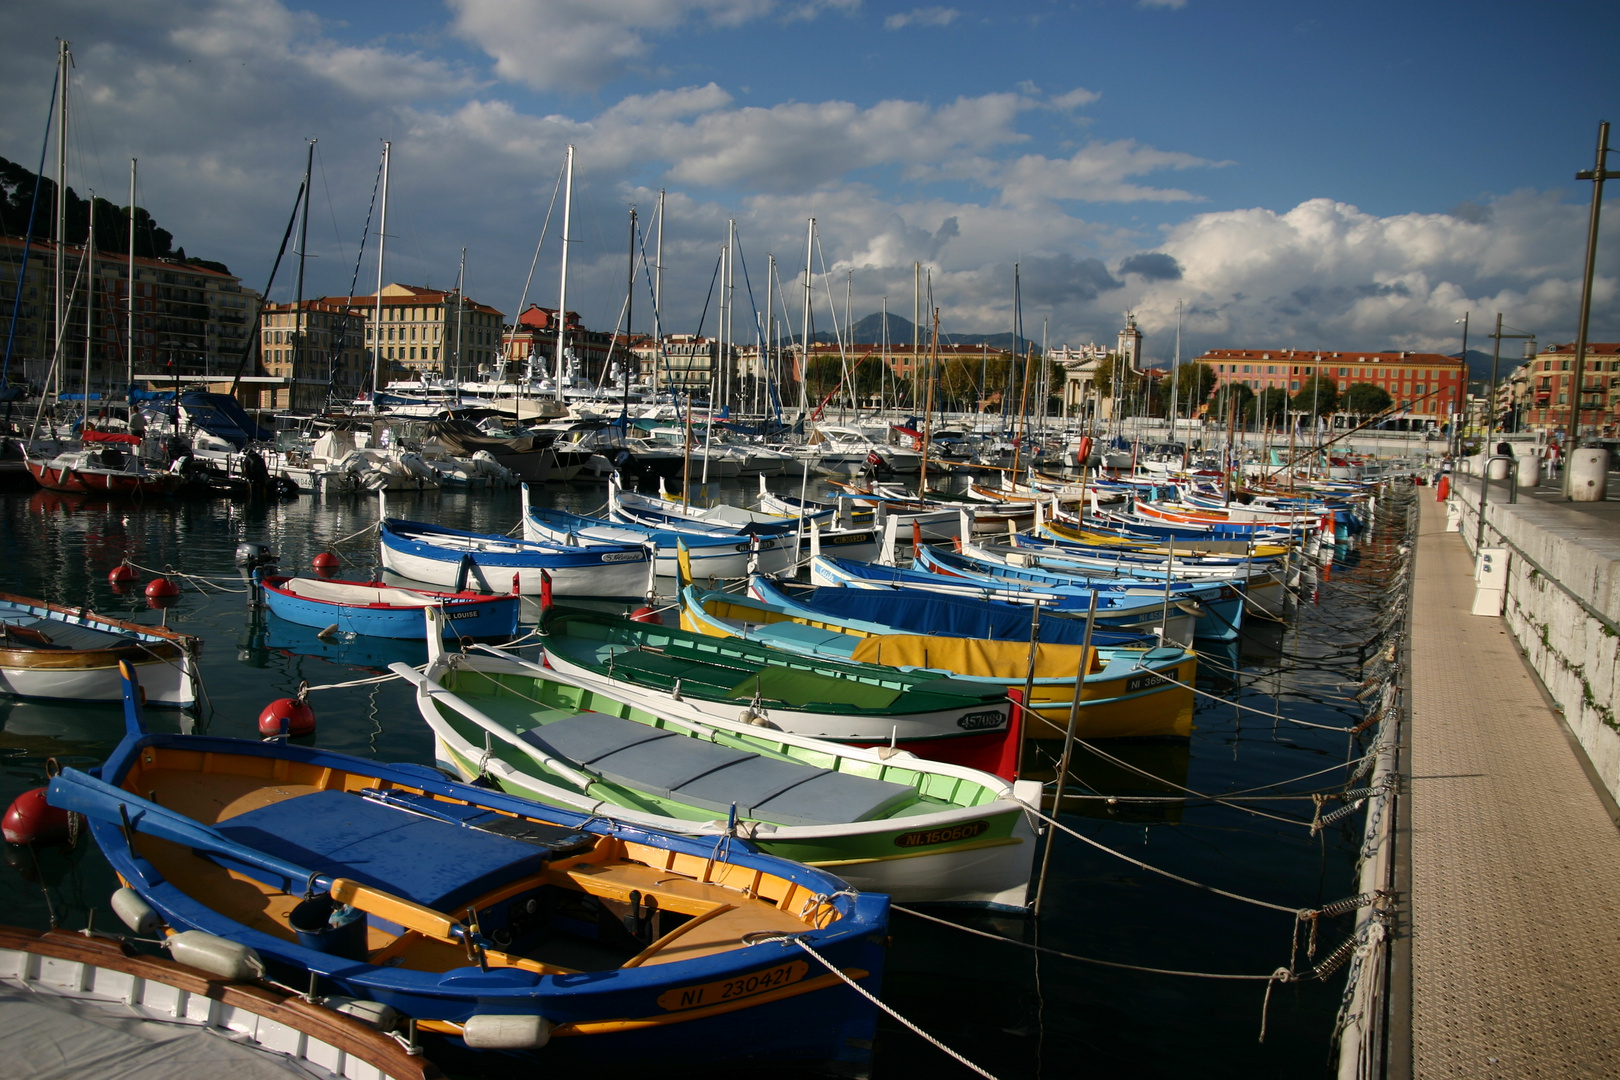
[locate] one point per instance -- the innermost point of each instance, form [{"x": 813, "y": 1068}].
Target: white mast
[
  {"x": 90, "y": 302},
  {"x": 376, "y": 321},
  {"x": 765, "y": 345},
  {"x": 63, "y": 59},
  {"x": 804, "y": 326},
  {"x": 731, "y": 302},
  {"x": 129, "y": 336},
  {"x": 658, "y": 296},
  {"x": 1175, "y": 376},
  {"x": 562, "y": 289},
  {"x": 461, "y": 305}
]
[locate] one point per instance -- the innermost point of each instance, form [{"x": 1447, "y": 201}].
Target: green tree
[
  {"x": 1219, "y": 407},
  {"x": 1192, "y": 382},
  {"x": 1131, "y": 381},
  {"x": 1272, "y": 404},
  {"x": 1318, "y": 394},
  {"x": 1365, "y": 399}
]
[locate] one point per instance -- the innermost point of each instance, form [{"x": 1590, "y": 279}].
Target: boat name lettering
[
  {"x": 1144, "y": 682},
  {"x": 980, "y": 720},
  {"x": 760, "y": 982},
  {"x": 622, "y": 556},
  {"x": 465, "y": 614},
  {"x": 968, "y": 830}
]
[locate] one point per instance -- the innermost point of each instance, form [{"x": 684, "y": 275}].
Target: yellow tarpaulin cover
[{"x": 973, "y": 656}]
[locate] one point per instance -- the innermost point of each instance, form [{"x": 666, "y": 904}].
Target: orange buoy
[
  {"x": 325, "y": 563},
  {"x": 122, "y": 574},
  {"x": 1442, "y": 490},
  {"x": 31, "y": 820},
  {"x": 647, "y": 615},
  {"x": 288, "y": 716}
]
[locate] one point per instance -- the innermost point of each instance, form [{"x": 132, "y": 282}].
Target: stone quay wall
[{"x": 1562, "y": 605}]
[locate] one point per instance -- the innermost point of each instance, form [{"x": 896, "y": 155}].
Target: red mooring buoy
[
  {"x": 159, "y": 587},
  {"x": 647, "y": 615},
  {"x": 31, "y": 820},
  {"x": 325, "y": 563},
  {"x": 298, "y": 717},
  {"x": 122, "y": 574}
]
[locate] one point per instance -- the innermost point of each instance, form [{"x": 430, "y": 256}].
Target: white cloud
[
  {"x": 1173, "y": 5},
  {"x": 217, "y": 96},
  {"x": 579, "y": 45},
  {"x": 927, "y": 16},
  {"x": 1074, "y": 99}
]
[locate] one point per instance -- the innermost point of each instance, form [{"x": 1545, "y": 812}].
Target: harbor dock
[{"x": 1513, "y": 952}]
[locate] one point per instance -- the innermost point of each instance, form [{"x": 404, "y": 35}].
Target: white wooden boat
[{"x": 72, "y": 654}]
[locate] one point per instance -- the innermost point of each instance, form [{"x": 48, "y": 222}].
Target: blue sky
[{"x": 1303, "y": 174}]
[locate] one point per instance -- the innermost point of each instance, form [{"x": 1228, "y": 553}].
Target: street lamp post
[{"x": 1597, "y": 174}]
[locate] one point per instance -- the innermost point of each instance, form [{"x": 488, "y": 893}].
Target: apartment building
[
  {"x": 1428, "y": 387},
  {"x": 1549, "y": 386}
]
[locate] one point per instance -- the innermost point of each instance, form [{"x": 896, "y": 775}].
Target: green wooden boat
[{"x": 882, "y": 819}]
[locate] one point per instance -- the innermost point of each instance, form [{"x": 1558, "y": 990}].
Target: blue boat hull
[{"x": 494, "y": 619}]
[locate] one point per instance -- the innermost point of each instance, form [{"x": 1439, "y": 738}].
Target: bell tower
[{"x": 1129, "y": 350}]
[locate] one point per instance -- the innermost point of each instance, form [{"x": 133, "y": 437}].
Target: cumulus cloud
[
  {"x": 216, "y": 97},
  {"x": 1172, "y": 5},
  {"x": 575, "y": 45},
  {"x": 927, "y": 16},
  {"x": 1152, "y": 266}
]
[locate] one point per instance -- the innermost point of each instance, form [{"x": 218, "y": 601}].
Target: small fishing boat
[
  {"x": 1127, "y": 691},
  {"x": 106, "y": 464},
  {"x": 374, "y": 609},
  {"x": 1115, "y": 609},
  {"x": 688, "y": 674},
  {"x": 718, "y": 552},
  {"x": 454, "y": 558},
  {"x": 886, "y": 821},
  {"x": 87, "y": 999},
  {"x": 564, "y": 938},
  {"x": 58, "y": 653},
  {"x": 864, "y": 542}
]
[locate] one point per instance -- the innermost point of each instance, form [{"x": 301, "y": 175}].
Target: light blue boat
[{"x": 390, "y": 611}]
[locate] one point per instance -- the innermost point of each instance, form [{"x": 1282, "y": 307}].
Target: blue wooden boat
[
  {"x": 454, "y": 558},
  {"x": 375, "y": 609},
  {"x": 715, "y": 553},
  {"x": 1116, "y": 609},
  {"x": 1221, "y": 602},
  {"x": 489, "y": 920}
]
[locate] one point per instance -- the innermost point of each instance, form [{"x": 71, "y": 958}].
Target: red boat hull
[{"x": 102, "y": 481}]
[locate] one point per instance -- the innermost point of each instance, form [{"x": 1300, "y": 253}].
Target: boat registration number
[
  {"x": 951, "y": 834},
  {"x": 980, "y": 720},
  {"x": 1147, "y": 682},
  {"x": 760, "y": 982}
]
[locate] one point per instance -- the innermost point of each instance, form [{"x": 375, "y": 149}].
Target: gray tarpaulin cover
[{"x": 45, "y": 1037}]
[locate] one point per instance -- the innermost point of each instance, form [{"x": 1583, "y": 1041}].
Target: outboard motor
[{"x": 250, "y": 554}]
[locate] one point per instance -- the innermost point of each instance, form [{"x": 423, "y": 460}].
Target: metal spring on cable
[{"x": 1335, "y": 959}]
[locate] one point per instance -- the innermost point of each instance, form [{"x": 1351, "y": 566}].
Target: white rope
[
  {"x": 1246, "y": 708},
  {"x": 869, "y": 996},
  {"x": 1056, "y": 824},
  {"x": 1085, "y": 959},
  {"x": 372, "y": 681}
]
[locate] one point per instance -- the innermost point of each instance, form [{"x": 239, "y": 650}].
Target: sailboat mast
[
  {"x": 916, "y": 329},
  {"x": 299, "y": 318},
  {"x": 928, "y": 412},
  {"x": 63, "y": 59},
  {"x": 765, "y": 346},
  {"x": 90, "y": 302},
  {"x": 629, "y": 310},
  {"x": 804, "y": 326},
  {"x": 1175, "y": 377},
  {"x": 562, "y": 289},
  {"x": 461, "y": 305},
  {"x": 129, "y": 334},
  {"x": 658, "y": 297},
  {"x": 376, "y": 321}
]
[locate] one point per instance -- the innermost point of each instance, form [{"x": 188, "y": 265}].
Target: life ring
[{"x": 1082, "y": 453}]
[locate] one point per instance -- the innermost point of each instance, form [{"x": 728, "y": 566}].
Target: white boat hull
[
  {"x": 165, "y": 682},
  {"x": 609, "y": 579}
]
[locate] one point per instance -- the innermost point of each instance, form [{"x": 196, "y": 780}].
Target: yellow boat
[{"x": 1126, "y": 692}]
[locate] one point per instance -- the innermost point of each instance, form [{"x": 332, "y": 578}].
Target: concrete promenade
[{"x": 1515, "y": 859}]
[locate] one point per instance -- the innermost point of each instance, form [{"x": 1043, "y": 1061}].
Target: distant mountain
[{"x": 1479, "y": 364}]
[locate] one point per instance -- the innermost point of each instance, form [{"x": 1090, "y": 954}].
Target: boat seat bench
[{"x": 713, "y": 777}]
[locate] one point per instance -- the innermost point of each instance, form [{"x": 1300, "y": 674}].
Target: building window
[
  {"x": 1246, "y": 369},
  {"x": 1294, "y": 385},
  {"x": 435, "y": 354},
  {"x": 1271, "y": 369},
  {"x": 1343, "y": 372}
]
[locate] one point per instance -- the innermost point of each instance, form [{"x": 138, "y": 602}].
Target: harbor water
[{"x": 1015, "y": 1012}]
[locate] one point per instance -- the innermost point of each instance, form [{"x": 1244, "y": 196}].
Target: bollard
[
  {"x": 1588, "y": 474},
  {"x": 1529, "y": 471}
]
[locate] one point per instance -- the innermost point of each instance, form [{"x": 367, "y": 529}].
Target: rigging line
[
  {"x": 1112, "y": 760},
  {"x": 331, "y": 208},
  {"x": 838, "y": 335},
  {"x": 524, "y": 298},
  {"x": 1073, "y": 956},
  {"x": 28, "y": 236},
  {"x": 1139, "y": 864},
  {"x": 718, "y": 259},
  {"x": 1250, "y": 708}
]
